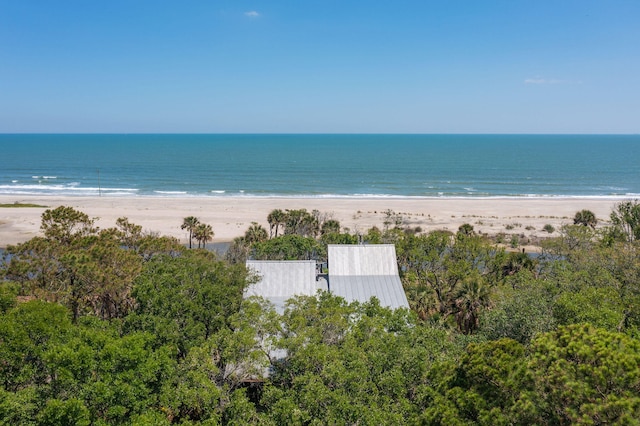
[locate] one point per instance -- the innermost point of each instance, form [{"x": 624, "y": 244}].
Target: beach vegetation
[
  {"x": 203, "y": 233},
  {"x": 392, "y": 218},
  {"x": 301, "y": 222},
  {"x": 238, "y": 251},
  {"x": 549, "y": 228},
  {"x": 625, "y": 219},
  {"x": 412, "y": 230},
  {"x": 185, "y": 300},
  {"x": 340, "y": 238},
  {"x": 515, "y": 262},
  {"x": 240, "y": 247},
  {"x": 289, "y": 247},
  {"x": 437, "y": 269},
  {"x": 121, "y": 326},
  {"x": 77, "y": 264},
  {"x": 330, "y": 226},
  {"x": 190, "y": 223},
  {"x": 585, "y": 218},
  {"x": 276, "y": 219},
  {"x": 18, "y": 204},
  {"x": 372, "y": 236},
  {"x": 466, "y": 229},
  {"x": 255, "y": 234}
]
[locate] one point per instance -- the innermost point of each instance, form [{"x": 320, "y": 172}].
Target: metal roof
[
  {"x": 358, "y": 272},
  {"x": 370, "y": 259},
  {"x": 281, "y": 280},
  {"x": 386, "y": 288}
]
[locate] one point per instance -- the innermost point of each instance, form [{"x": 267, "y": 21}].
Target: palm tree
[
  {"x": 237, "y": 251},
  {"x": 301, "y": 222},
  {"x": 275, "y": 219},
  {"x": 255, "y": 234},
  {"x": 330, "y": 226},
  {"x": 203, "y": 233},
  {"x": 516, "y": 262},
  {"x": 586, "y": 218},
  {"x": 471, "y": 298},
  {"x": 190, "y": 223},
  {"x": 466, "y": 230}
]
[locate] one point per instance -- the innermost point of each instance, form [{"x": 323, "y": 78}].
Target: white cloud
[
  {"x": 539, "y": 80},
  {"x": 252, "y": 14}
]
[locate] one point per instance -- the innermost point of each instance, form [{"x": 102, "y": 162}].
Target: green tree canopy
[
  {"x": 186, "y": 299},
  {"x": 86, "y": 269},
  {"x": 626, "y": 218},
  {"x": 289, "y": 247}
]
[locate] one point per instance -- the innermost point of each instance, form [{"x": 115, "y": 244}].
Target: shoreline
[
  {"x": 230, "y": 216},
  {"x": 242, "y": 196}
]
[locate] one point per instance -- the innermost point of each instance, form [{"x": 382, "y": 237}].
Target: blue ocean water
[{"x": 321, "y": 165}]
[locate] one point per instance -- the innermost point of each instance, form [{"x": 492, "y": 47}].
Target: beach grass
[{"x": 20, "y": 205}]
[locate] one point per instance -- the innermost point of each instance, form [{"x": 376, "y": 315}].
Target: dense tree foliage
[
  {"x": 76, "y": 264},
  {"x": 448, "y": 276},
  {"x": 626, "y": 219},
  {"x": 119, "y": 326},
  {"x": 575, "y": 375},
  {"x": 184, "y": 300},
  {"x": 288, "y": 247}
]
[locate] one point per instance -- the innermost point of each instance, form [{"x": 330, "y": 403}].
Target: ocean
[{"x": 328, "y": 165}]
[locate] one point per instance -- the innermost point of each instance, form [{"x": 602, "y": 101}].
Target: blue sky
[{"x": 449, "y": 66}]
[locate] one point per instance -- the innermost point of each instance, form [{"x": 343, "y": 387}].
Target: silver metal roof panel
[
  {"x": 387, "y": 288},
  {"x": 281, "y": 280},
  {"x": 370, "y": 259}
]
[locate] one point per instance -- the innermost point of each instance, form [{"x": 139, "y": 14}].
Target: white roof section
[
  {"x": 356, "y": 273},
  {"x": 281, "y": 280},
  {"x": 373, "y": 259},
  {"x": 359, "y": 272}
]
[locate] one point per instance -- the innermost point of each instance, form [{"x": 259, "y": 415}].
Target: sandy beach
[{"x": 231, "y": 216}]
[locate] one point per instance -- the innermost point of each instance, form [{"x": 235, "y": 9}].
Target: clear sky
[{"x": 320, "y": 66}]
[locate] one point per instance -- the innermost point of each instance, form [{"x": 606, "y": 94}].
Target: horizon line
[{"x": 331, "y": 133}]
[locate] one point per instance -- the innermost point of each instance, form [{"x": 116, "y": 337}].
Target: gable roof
[
  {"x": 281, "y": 280},
  {"x": 359, "y": 272},
  {"x": 369, "y": 259},
  {"x": 356, "y": 273}
]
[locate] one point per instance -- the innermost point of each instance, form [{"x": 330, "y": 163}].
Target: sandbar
[{"x": 231, "y": 216}]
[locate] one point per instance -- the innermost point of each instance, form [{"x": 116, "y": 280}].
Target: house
[{"x": 356, "y": 273}]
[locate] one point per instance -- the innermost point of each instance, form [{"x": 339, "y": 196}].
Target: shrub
[{"x": 586, "y": 218}]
